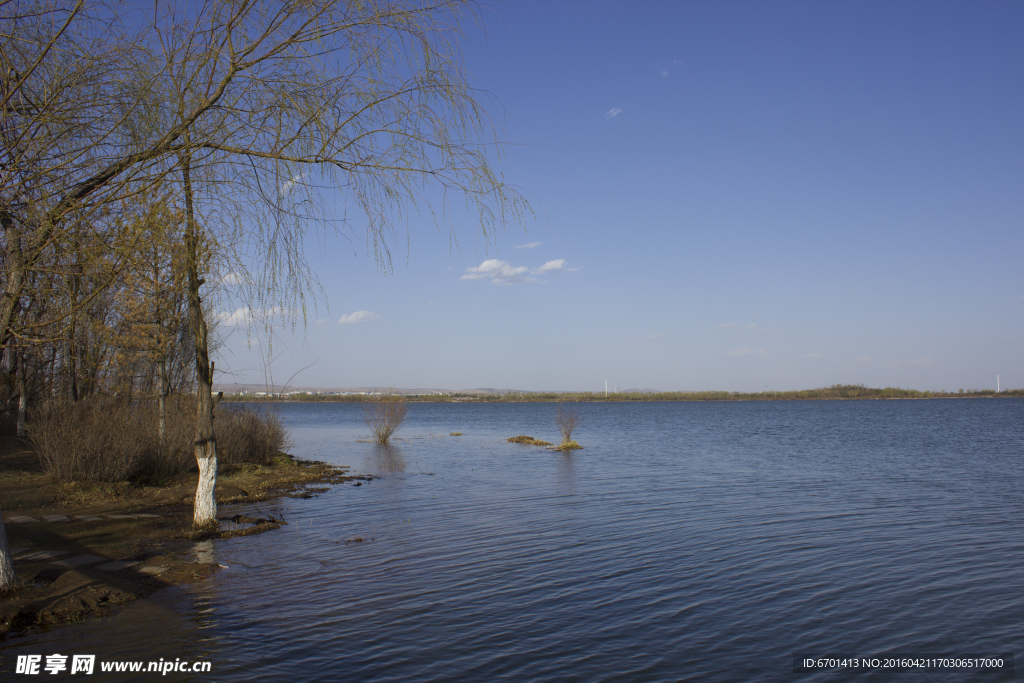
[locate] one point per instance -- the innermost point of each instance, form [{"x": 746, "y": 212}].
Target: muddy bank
[{"x": 82, "y": 550}]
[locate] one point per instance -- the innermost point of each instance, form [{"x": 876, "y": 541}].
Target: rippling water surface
[{"x": 703, "y": 541}]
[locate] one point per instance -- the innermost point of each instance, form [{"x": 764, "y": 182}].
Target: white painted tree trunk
[
  {"x": 205, "y": 508},
  {"x": 7, "y": 576}
]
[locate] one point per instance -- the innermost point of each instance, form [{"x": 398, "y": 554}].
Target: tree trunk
[
  {"x": 162, "y": 388},
  {"x": 7, "y": 576},
  {"x": 22, "y": 397},
  {"x": 205, "y": 509},
  {"x": 14, "y": 281}
]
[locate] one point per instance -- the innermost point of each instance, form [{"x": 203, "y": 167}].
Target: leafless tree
[
  {"x": 567, "y": 418},
  {"x": 250, "y": 116},
  {"x": 383, "y": 417}
]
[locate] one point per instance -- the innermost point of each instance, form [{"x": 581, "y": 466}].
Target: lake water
[{"x": 698, "y": 541}]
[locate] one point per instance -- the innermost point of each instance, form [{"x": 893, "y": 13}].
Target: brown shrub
[
  {"x": 567, "y": 418},
  {"x": 111, "y": 440},
  {"x": 384, "y": 417},
  {"x": 94, "y": 440},
  {"x": 249, "y": 434}
]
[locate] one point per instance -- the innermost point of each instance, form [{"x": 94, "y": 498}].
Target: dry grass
[
  {"x": 522, "y": 438},
  {"x": 103, "y": 439}
]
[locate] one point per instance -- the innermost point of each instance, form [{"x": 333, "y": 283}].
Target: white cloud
[
  {"x": 245, "y": 316},
  {"x": 863, "y": 359},
  {"x": 529, "y": 245},
  {"x": 357, "y": 317},
  {"x": 287, "y": 185},
  {"x": 612, "y": 113},
  {"x": 551, "y": 266},
  {"x": 241, "y": 316},
  {"x": 500, "y": 272},
  {"x": 725, "y": 326},
  {"x": 231, "y": 279},
  {"x": 750, "y": 326},
  {"x": 664, "y": 72},
  {"x": 321, "y": 321},
  {"x": 747, "y": 351}
]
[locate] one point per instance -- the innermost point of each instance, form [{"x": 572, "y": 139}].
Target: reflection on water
[
  {"x": 204, "y": 551},
  {"x": 565, "y": 474},
  {"x": 703, "y": 541},
  {"x": 385, "y": 459}
]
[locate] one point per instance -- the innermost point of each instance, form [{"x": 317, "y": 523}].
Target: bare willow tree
[
  {"x": 384, "y": 417},
  {"x": 255, "y": 116},
  {"x": 567, "y": 419},
  {"x": 283, "y": 105}
]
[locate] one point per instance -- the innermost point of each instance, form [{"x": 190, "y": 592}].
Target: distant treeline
[{"x": 834, "y": 392}]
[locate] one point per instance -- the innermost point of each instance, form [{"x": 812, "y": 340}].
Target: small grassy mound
[
  {"x": 522, "y": 438},
  {"x": 567, "y": 446}
]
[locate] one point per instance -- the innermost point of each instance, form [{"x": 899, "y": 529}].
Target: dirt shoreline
[{"x": 83, "y": 550}]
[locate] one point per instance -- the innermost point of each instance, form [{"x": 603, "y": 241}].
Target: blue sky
[{"x": 728, "y": 195}]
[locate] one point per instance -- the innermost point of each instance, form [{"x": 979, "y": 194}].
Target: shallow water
[{"x": 705, "y": 541}]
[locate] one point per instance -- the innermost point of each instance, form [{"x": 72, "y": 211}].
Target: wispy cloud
[
  {"x": 503, "y": 273},
  {"x": 750, "y": 326},
  {"x": 500, "y": 272},
  {"x": 357, "y": 317},
  {"x": 612, "y": 113},
  {"x": 245, "y": 316},
  {"x": 231, "y": 279},
  {"x": 287, "y": 185},
  {"x": 664, "y": 71},
  {"x": 552, "y": 266},
  {"x": 747, "y": 351},
  {"x": 240, "y": 316},
  {"x": 528, "y": 245},
  {"x": 863, "y": 359},
  {"x": 725, "y": 326},
  {"x": 321, "y": 321}
]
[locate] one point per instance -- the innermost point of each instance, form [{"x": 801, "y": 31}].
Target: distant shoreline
[{"x": 834, "y": 393}]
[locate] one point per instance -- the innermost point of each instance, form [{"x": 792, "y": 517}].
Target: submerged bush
[
  {"x": 105, "y": 439},
  {"x": 384, "y": 417},
  {"x": 567, "y": 418}
]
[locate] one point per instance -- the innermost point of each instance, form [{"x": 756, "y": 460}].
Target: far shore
[{"x": 834, "y": 393}]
